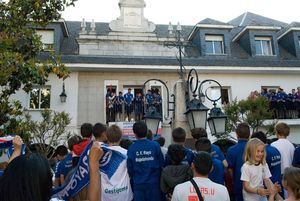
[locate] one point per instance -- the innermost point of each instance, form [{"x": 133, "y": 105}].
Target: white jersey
[
  {"x": 254, "y": 174},
  {"x": 286, "y": 149},
  {"x": 117, "y": 188},
  {"x": 210, "y": 191}
]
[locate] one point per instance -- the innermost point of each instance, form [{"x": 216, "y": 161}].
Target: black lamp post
[
  {"x": 217, "y": 121},
  {"x": 63, "y": 95},
  {"x": 152, "y": 119}
]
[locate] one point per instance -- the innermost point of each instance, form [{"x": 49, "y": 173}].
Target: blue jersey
[
  {"x": 273, "y": 159},
  {"x": 64, "y": 166},
  {"x": 296, "y": 160},
  {"x": 217, "y": 153},
  {"x": 149, "y": 99},
  {"x": 1, "y": 173},
  {"x": 128, "y": 97},
  {"x": 235, "y": 162},
  {"x": 281, "y": 96},
  {"x": 145, "y": 162},
  {"x": 188, "y": 159},
  {"x": 217, "y": 174}
]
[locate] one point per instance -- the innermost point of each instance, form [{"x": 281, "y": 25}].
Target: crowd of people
[
  {"x": 150, "y": 171},
  {"x": 283, "y": 105},
  {"x": 128, "y": 107}
]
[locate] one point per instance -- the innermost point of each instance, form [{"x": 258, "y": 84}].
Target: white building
[{"x": 245, "y": 54}]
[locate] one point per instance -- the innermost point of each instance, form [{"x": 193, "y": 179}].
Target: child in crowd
[
  {"x": 291, "y": 183},
  {"x": 179, "y": 137},
  {"x": 273, "y": 157},
  {"x": 125, "y": 143},
  {"x": 161, "y": 141},
  {"x": 144, "y": 164},
  {"x": 255, "y": 172},
  {"x": 120, "y": 180},
  {"x": 217, "y": 173},
  {"x": 176, "y": 173},
  {"x": 216, "y": 152},
  {"x": 235, "y": 159},
  {"x": 284, "y": 146},
  {"x": 86, "y": 131},
  {"x": 99, "y": 132},
  {"x": 61, "y": 152}
]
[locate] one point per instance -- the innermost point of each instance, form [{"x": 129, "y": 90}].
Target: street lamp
[
  {"x": 152, "y": 119},
  {"x": 217, "y": 121},
  {"x": 63, "y": 95}
]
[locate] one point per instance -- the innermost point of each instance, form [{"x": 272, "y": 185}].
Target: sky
[{"x": 187, "y": 12}]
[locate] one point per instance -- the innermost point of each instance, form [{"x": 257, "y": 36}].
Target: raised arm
[{"x": 17, "y": 143}]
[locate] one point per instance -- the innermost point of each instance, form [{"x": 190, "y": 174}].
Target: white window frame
[
  {"x": 47, "y": 38},
  {"x": 213, "y": 39},
  {"x": 261, "y": 39},
  {"x": 40, "y": 97}
]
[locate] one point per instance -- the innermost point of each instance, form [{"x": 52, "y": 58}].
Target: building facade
[{"x": 244, "y": 54}]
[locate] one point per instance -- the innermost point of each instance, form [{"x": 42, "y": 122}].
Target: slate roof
[
  {"x": 238, "y": 57},
  {"x": 212, "y": 21},
  {"x": 252, "y": 19},
  {"x": 293, "y": 24}
]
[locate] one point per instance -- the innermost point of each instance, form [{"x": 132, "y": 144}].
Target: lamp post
[{"x": 63, "y": 95}]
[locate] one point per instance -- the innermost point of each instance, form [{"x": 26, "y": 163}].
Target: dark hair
[
  {"x": 140, "y": 129},
  {"x": 114, "y": 134},
  {"x": 198, "y": 133},
  {"x": 178, "y": 134},
  {"x": 61, "y": 150},
  {"x": 282, "y": 129},
  {"x": 243, "y": 131},
  {"x": 149, "y": 135},
  {"x": 26, "y": 178},
  {"x": 125, "y": 143},
  {"x": 176, "y": 153},
  {"x": 99, "y": 129},
  {"x": 161, "y": 141},
  {"x": 260, "y": 135},
  {"x": 203, "y": 144},
  {"x": 202, "y": 163},
  {"x": 86, "y": 130},
  {"x": 73, "y": 140}
]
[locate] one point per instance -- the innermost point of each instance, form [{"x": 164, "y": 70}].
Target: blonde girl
[{"x": 255, "y": 172}]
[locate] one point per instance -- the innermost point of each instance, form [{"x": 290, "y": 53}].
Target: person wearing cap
[{"x": 128, "y": 98}]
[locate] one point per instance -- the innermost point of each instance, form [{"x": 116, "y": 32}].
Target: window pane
[
  {"x": 219, "y": 47},
  {"x": 266, "y": 47},
  {"x": 45, "y": 98},
  {"x": 209, "y": 47},
  {"x": 258, "y": 49},
  {"x": 34, "y": 99}
]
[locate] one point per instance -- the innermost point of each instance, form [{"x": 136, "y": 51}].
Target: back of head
[
  {"x": 61, "y": 150},
  {"x": 99, "y": 129},
  {"x": 73, "y": 140},
  {"x": 125, "y": 143},
  {"x": 179, "y": 135},
  {"x": 140, "y": 129},
  {"x": 291, "y": 179},
  {"x": 161, "y": 141},
  {"x": 198, "y": 133},
  {"x": 260, "y": 135},
  {"x": 176, "y": 153},
  {"x": 113, "y": 134},
  {"x": 26, "y": 178},
  {"x": 243, "y": 131},
  {"x": 282, "y": 129},
  {"x": 202, "y": 163},
  {"x": 149, "y": 135},
  {"x": 203, "y": 144},
  {"x": 86, "y": 130}
]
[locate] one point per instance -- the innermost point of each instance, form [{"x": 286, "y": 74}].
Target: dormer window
[
  {"x": 47, "y": 38},
  {"x": 263, "y": 46},
  {"x": 214, "y": 44}
]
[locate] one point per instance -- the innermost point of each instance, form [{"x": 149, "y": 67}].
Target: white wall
[{"x": 70, "y": 106}]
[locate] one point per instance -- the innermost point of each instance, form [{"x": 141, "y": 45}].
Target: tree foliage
[
  {"x": 252, "y": 111},
  {"x": 47, "y": 133},
  {"x": 20, "y": 67}
]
